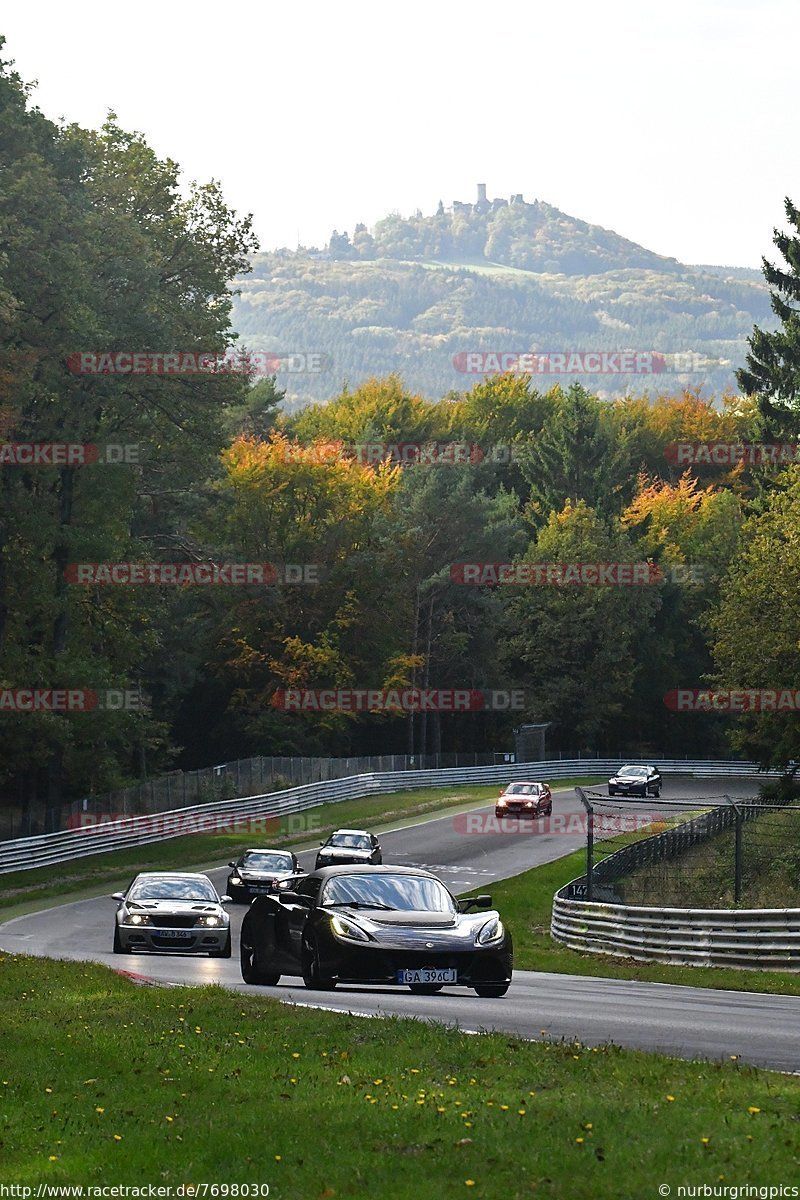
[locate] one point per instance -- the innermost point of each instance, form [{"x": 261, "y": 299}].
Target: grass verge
[
  {"x": 21, "y": 891},
  {"x": 103, "y": 1082},
  {"x": 526, "y": 902}
]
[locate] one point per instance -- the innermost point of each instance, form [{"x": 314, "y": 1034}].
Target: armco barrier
[
  {"x": 756, "y": 938},
  {"x": 761, "y": 938},
  {"x": 27, "y": 853}
]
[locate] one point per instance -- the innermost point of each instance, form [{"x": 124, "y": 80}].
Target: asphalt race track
[{"x": 683, "y": 1021}]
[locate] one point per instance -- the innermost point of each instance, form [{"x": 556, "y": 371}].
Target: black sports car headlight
[
  {"x": 491, "y": 932},
  {"x": 348, "y": 930}
]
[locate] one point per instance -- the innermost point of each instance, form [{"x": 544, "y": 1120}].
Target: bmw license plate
[
  {"x": 175, "y": 933},
  {"x": 428, "y": 975}
]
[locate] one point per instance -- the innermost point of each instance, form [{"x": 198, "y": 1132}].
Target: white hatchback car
[{"x": 172, "y": 911}]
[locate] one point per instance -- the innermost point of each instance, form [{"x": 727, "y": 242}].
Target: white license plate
[
  {"x": 175, "y": 933},
  {"x": 428, "y": 975}
]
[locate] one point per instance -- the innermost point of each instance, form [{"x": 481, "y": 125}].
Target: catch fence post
[
  {"x": 737, "y": 852},
  {"x": 589, "y": 841}
]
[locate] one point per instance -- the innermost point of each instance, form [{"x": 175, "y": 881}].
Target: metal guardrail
[
  {"x": 250, "y": 777},
  {"x": 755, "y": 938},
  {"x": 47, "y": 849},
  {"x": 761, "y": 938}
]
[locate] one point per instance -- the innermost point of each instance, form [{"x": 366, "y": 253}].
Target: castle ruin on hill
[{"x": 482, "y": 205}]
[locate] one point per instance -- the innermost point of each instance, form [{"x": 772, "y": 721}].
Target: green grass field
[{"x": 103, "y": 1082}]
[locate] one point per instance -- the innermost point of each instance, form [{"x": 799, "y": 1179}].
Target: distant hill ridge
[
  {"x": 529, "y": 236},
  {"x": 416, "y": 294}
]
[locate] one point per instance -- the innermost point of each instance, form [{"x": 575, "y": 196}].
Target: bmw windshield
[
  {"x": 258, "y": 861},
  {"x": 173, "y": 889}
]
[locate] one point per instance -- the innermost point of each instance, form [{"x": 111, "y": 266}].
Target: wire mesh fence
[
  {"x": 700, "y": 852},
  {"x": 258, "y": 775}
]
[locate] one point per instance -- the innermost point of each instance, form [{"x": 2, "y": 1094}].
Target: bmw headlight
[
  {"x": 492, "y": 931},
  {"x": 212, "y": 921},
  {"x": 348, "y": 930},
  {"x": 138, "y": 919}
]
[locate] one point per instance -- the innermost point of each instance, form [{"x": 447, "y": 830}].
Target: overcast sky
[{"x": 675, "y": 124}]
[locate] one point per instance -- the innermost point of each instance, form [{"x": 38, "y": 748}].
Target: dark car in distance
[
  {"x": 376, "y": 925},
  {"x": 258, "y": 871},
  {"x": 635, "y": 781},
  {"x": 524, "y": 799},
  {"x": 349, "y": 846}
]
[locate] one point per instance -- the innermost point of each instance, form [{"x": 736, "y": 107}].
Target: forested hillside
[
  {"x": 415, "y": 294},
  {"x": 353, "y": 554}
]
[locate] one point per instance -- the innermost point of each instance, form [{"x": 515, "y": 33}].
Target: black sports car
[
  {"x": 380, "y": 925},
  {"x": 635, "y": 781},
  {"x": 258, "y": 871}
]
